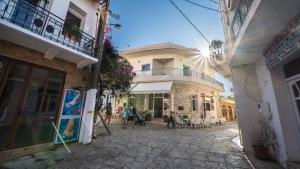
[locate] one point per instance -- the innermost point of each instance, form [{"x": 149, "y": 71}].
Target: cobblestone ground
[{"x": 151, "y": 146}]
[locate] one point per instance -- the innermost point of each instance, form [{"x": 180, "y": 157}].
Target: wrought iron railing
[
  {"x": 44, "y": 23},
  {"x": 176, "y": 72},
  {"x": 241, "y": 12}
]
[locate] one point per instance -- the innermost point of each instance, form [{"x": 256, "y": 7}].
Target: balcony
[
  {"x": 32, "y": 26},
  {"x": 241, "y": 12},
  {"x": 177, "y": 75},
  {"x": 260, "y": 22}
]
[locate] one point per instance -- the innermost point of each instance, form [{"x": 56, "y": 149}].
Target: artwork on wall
[{"x": 70, "y": 116}]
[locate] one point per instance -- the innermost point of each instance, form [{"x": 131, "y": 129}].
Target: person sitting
[
  {"x": 171, "y": 121},
  {"x": 140, "y": 119}
]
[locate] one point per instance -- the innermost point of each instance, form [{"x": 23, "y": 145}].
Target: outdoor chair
[
  {"x": 206, "y": 123},
  {"x": 213, "y": 121},
  {"x": 180, "y": 123},
  {"x": 193, "y": 122}
]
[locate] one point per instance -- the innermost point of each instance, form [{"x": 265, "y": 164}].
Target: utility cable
[
  {"x": 189, "y": 21},
  {"x": 194, "y": 3},
  {"x": 216, "y": 2}
]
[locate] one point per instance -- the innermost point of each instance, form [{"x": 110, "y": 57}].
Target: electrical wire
[
  {"x": 216, "y": 2},
  {"x": 205, "y": 7},
  {"x": 189, "y": 21}
]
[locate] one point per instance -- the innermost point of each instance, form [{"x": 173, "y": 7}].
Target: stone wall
[
  {"x": 74, "y": 77},
  {"x": 183, "y": 97}
]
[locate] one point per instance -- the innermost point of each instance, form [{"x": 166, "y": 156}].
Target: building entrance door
[
  {"x": 29, "y": 102},
  {"x": 158, "y": 107},
  {"x": 294, "y": 86}
]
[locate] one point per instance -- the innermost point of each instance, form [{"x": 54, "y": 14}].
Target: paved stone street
[{"x": 152, "y": 146}]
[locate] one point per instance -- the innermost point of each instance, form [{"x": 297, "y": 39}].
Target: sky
[{"x": 156, "y": 21}]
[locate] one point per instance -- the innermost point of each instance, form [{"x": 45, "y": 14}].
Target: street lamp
[{"x": 117, "y": 26}]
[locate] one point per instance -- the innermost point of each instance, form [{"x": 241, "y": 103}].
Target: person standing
[
  {"x": 125, "y": 114},
  {"x": 108, "y": 112}
]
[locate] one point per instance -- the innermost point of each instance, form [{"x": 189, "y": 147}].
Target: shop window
[{"x": 146, "y": 67}]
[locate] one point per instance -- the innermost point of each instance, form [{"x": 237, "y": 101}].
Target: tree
[
  {"x": 216, "y": 48},
  {"x": 116, "y": 72}
]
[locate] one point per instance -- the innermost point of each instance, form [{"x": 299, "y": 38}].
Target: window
[
  {"x": 146, "y": 67},
  {"x": 74, "y": 21},
  {"x": 194, "y": 103},
  {"x": 72, "y": 25},
  {"x": 180, "y": 108}
]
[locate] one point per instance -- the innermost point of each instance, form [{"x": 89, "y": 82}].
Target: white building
[
  {"x": 262, "y": 46},
  {"x": 45, "y": 48},
  {"x": 168, "y": 76}
]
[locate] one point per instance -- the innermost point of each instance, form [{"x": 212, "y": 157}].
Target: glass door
[
  {"x": 12, "y": 87},
  {"x": 29, "y": 103}
]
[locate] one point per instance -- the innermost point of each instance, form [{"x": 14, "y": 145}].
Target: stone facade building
[
  {"x": 45, "y": 48},
  {"x": 170, "y": 77}
]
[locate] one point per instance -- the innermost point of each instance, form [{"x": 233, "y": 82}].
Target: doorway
[
  {"x": 158, "y": 107},
  {"x": 294, "y": 86},
  {"x": 29, "y": 103}
]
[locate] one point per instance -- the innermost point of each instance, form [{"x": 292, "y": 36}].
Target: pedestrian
[
  {"x": 108, "y": 112},
  {"x": 171, "y": 121},
  {"x": 125, "y": 114},
  {"x": 134, "y": 117}
]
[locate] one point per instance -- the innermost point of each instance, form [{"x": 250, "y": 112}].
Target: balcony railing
[
  {"x": 175, "y": 72},
  {"x": 44, "y": 23},
  {"x": 241, "y": 12}
]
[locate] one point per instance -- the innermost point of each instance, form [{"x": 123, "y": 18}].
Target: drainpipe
[{"x": 86, "y": 129}]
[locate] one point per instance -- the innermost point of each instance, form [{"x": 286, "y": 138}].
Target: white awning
[{"x": 155, "y": 87}]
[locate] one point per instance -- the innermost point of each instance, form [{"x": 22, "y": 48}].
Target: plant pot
[
  {"x": 165, "y": 119},
  {"x": 261, "y": 152}
]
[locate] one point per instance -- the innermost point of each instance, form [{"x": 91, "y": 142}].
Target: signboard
[
  {"x": 70, "y": 116},
  {"x": 286, "y": 44}
]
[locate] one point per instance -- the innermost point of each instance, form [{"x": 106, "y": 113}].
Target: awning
[{"x": 154, "y": 87}]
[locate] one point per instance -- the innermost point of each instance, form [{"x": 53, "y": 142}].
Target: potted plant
[
  {"x": 264, "y": 138},
  {"x": 73, "y": 32},
  {"x": 76, "y": 33}
]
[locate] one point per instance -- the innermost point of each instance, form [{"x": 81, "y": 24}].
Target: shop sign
[
  {"x": 286, "y": 44},
  {"x": 70, "y": 116}
]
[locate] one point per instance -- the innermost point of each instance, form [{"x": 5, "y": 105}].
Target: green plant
[
  {"x": 76, "y": 31},
  {"x": 264, "y": 134}
]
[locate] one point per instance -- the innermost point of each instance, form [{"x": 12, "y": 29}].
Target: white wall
[
  {"x": 60, "y": 8},
  {"x": 247, "y": 96},
  {"x": 268, "y": 97}
]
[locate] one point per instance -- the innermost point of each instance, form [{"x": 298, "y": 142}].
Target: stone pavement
[{"x": 151, "y": 146}]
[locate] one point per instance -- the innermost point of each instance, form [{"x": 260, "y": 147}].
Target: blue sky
[{"x": 155, "y": 21}]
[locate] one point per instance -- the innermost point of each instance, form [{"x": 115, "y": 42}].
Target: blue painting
[
  {"x": 73, "y": 103},
  {"x": 68, "y": 129},
  {"x": 70, "y": 117}
]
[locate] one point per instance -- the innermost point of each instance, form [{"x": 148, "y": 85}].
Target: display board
[{"x": 70, "y": 116}]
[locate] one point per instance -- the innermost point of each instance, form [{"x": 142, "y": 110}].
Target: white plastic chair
[{"x": 180, "y": 123}]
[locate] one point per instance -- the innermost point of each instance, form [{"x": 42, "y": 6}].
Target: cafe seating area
[{"x": 185, "y": 121}]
